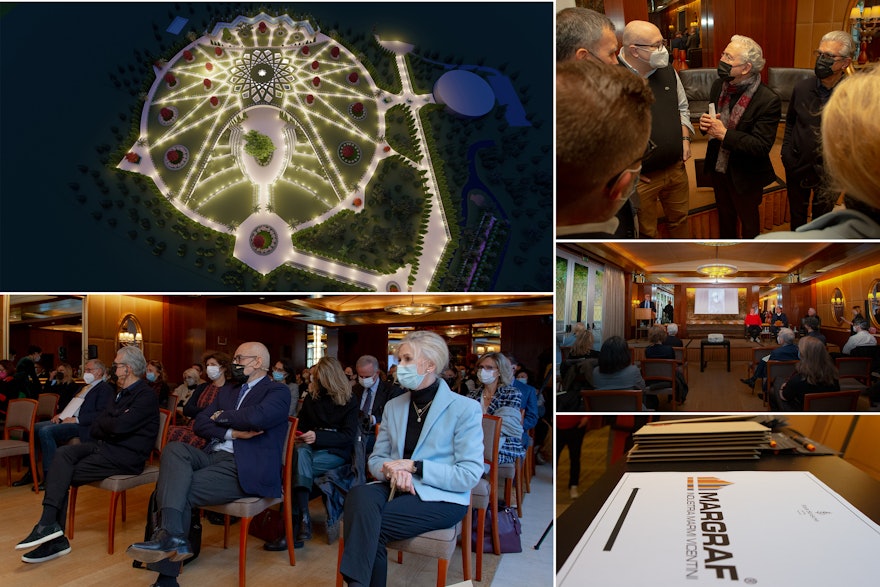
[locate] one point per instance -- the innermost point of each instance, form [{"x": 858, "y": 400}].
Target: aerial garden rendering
[{"x": 271, "y": 153}]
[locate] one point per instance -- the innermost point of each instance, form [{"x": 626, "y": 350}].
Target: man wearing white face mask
[
  {"x": 372, "y": 394},
  {"x": 664, "y": 179}
]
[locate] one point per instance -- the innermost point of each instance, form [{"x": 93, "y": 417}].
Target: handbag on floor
[
  {"x": 509, "y": 531},
  {"x": 268, "y": 525}
]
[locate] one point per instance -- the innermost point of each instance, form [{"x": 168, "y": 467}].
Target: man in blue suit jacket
[{"x": 247, "y": 428}]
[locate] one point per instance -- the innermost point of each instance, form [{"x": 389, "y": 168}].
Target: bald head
[
  {"x": 254, "y": 356},
  {"x": 641, "y": 32}
]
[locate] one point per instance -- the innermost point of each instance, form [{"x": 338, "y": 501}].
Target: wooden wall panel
[
  {"x": 105, "y": 312},
  {"x": 622, "y": 11}
]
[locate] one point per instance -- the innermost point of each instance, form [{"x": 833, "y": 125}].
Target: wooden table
[{"x": 705, "y": 342}]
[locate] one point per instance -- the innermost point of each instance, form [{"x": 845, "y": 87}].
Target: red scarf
[{"x": 731, "y": 116}]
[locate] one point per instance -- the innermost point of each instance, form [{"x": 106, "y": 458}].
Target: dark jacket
[
  {"x": 749, "y": 166},
  {"x": 258, "y": 459},
  {"x": 97, "y": 399},
  {"x": 659, "y": 351},
  {"x": 383, "y": 394},
  {"x": 336, "y": 427},
  {"x": 126, "y": 431},
  {"x": 801, "y": 146}
]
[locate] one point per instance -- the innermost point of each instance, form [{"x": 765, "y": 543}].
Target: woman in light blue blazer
[{"x": 428, "y": 456}]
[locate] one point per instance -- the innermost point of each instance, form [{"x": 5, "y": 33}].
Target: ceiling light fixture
[
  {"x": 412, "y": 308},
  {"x": 717, "y": 270}
]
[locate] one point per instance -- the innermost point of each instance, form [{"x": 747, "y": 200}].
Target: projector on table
[{"x": 716, "y": 337}]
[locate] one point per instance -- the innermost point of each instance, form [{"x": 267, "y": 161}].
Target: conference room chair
[
  {"x": 854, "y": 373},
  {"x": 117, "y": 485},
  {"x": 48, "y": 406},
  {"x": 247, "y": 508},
  {"x": 617, "y": 400},
  {"x": 832, "y": 401},
  {"x": 485, "y": 494},
  {"x": 758, "y": 355},
  {"x": 681, "y": 357},
  {"x": 659, "y": 375},
  {"x": 20, "y": 418},
  {"x": 778, "y": 373}
]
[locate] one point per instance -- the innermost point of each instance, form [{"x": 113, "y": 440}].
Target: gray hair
[
  {"x": 429, "y": 346},
  {"x": 505, "y": 371},
  {"x": 579, "y": 28},
  {"x": 99, "y": 364},
  {"x": 672, "y": 329},
  {"x": 842, "y": 37},
  {"x": 367, "y": 360},
  {"x": 860, "y": 324},
  {"x": 134, "y": 358},
  {"x": 753, "y": 52},
  {"x": 786, "y": 335}
]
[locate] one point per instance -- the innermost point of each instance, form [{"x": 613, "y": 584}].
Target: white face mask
[
  {"x": 213, "y": 372},
  {"x": 366, "y": 382},
  {"x": 89, "y": 378},
  {"x": 487, "y": 376},
  {"x": 659, "y": 59}
]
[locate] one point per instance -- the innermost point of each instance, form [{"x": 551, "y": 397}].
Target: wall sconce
[{"x": 130, "y": 333}]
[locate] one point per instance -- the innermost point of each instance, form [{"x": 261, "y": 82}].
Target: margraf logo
[
  {"x": 707, "y": 483},
  {"x": 706, "y": 530}
]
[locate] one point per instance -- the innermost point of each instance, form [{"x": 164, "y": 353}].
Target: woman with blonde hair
[
  {"x": 582, "y": 348},
  {"x": 328, "y": 420},
  {"x": 61, "y": 381},
  {"x": 428, "y": 456},
  {"x": 815, "y": 373},
  {"x": 499, "y": 397}
]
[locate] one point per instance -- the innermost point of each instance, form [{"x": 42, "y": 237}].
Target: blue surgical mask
[
  {"x": 408, "y": 376},
  {"x": 278, "y": 375},
  {"x": 151, "y": 376}
]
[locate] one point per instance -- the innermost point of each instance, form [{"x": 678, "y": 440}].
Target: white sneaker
[{"x": 573, "y": 491}]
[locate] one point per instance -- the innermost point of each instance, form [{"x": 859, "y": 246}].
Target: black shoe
[
  {"x": 39, "y": 535},
  {"x": 48, "y": 550},
  {"x": 749, "y": 382},
  {"x": 28, "y": 479},
  {"x": 163, "y": 546},
  {"x": 305, "y": 530},
  {"x": 42, "y": 487},
  {"x": 281, "y": 544},
  {"x": 218, "y": 519}
]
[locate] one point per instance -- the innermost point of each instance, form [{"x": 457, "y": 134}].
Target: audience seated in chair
[
  {"x": 815, "y": 373},
  {"x": 787, "y": 351}
]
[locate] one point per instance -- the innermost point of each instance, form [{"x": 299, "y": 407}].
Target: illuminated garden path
[{"x": 249, "y": 76}]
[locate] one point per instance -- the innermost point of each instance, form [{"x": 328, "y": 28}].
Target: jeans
[{"x": 51, "y": 437}]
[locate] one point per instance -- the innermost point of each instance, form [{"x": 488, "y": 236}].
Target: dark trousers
[
  {"x": 799, "y": 198},
  {"x": 190, "y": 478},
  {"x": 76, "y": 464},
  {"x": 733, "y": 205},
  {"x": 573, "y": 438},
  {"x": 371, "y": 521}
]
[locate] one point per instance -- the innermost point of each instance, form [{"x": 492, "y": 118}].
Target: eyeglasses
[
  {"x": 655, "y": 46},
  {"x": 830, "y": 56},
  {"x": 117, "y": 365},
  {"x": 238, "y": 358},
  {"x": 649, "y": 150}
]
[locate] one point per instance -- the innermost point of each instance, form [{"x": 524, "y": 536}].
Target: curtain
[{"x": 614, "y": 303}]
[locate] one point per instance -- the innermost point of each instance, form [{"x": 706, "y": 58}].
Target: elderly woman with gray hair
[
  {"x": 741, "y": 135},
  {"x": 499, "y": 397}
]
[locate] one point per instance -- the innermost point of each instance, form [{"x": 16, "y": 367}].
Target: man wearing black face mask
[{"x": 801, "y": 147}]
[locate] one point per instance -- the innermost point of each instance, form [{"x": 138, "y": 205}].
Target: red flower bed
[
  {"x": 173, "y": 156},
  {"x": 207, "y": 83},
  {"x": 188, "y": 55},
  {"x": 357, "y": 109},
  {"x": 316, "y": 82},
  {"x": 348, "y": 151},
  {"x": 386, "y": 149},
  {"x": 166, "y": 114},
  {"x": 214, "y": 101},
  {"x": 334, "y": 52},
  {"x": 132, "y": 157},
  {"x": 218, "y": 51},
  {"x": 305, "y": 50},
  {"x": 170, "y": 79},
  {"x": 209, "y": 66},
  {"x": 357, "y": 202},
  {"x": 353, "y": 77},
  {"x": 309, "y": 99},
  {"x": 262, "y": 27},
  {"x": 315, "y": 64},
  {"x": 259, "y": 241}
]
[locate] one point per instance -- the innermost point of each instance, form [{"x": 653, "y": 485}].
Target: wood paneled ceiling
[
  {"x": 762, "y": 263},
  {"x": 343, "y": 310}
]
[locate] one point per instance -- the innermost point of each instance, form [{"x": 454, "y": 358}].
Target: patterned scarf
[{"x": 731, "y": 117}]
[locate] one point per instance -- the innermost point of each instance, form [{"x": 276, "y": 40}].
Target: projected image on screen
[{"x": 716, "y": 301}]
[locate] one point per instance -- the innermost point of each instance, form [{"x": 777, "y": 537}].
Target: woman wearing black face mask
[
  {"x": 801, "y": 147},
  {"x": 742, "y": 134}
]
